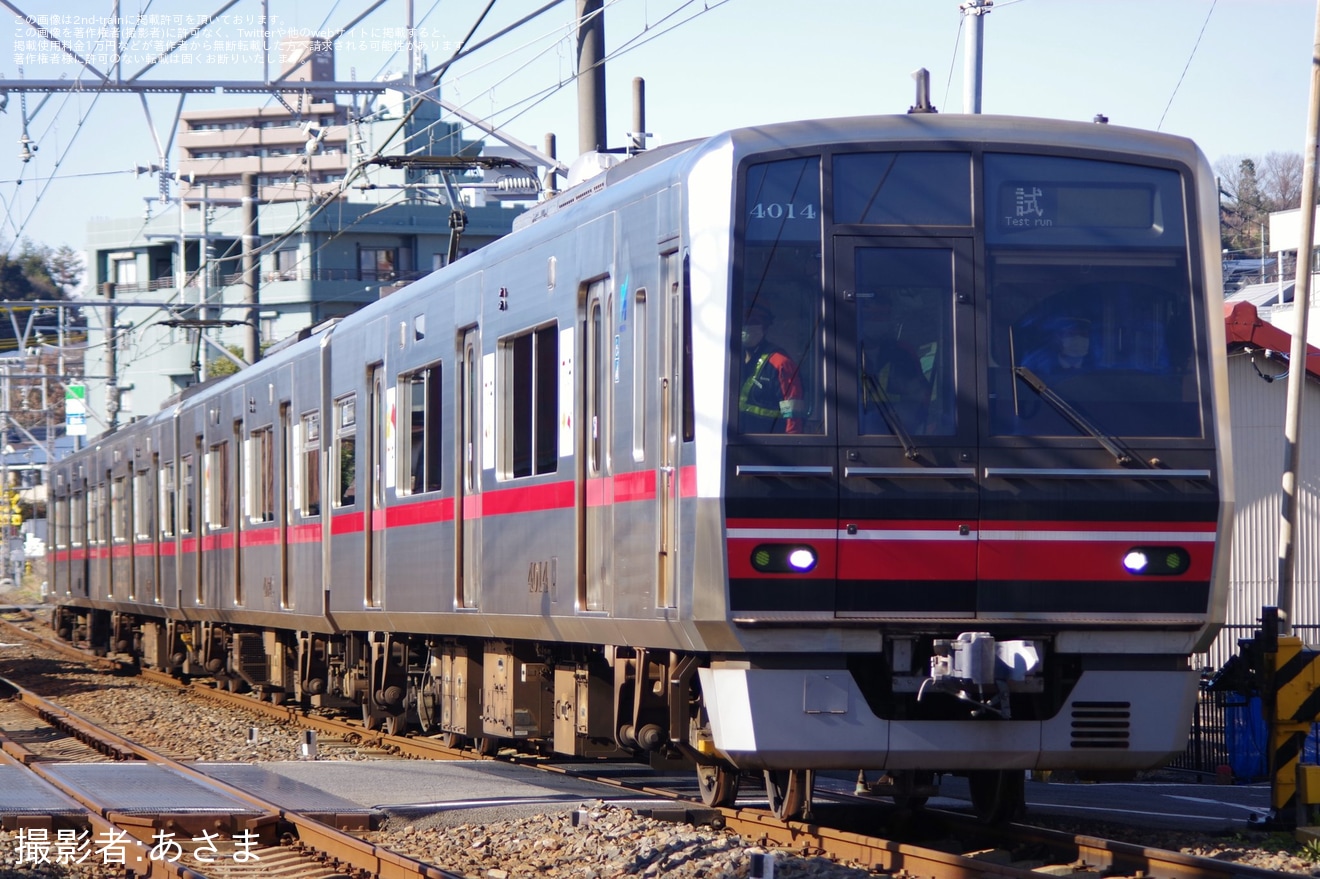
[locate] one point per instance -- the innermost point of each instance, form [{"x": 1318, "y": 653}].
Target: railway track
[
  {"x": 842, "y": 829},
  {"x": 222, "y": 830}
]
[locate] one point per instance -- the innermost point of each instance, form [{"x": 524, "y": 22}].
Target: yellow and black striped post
[{"x": 1291, "y": 704}]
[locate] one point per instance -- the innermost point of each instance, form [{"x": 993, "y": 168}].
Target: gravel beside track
[{"x": 612, "y": 841}]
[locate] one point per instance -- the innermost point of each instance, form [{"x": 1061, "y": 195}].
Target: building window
[
  {"x": 286, "y": 265},
  {"x": 530, "y": 379},
  {"x": 377, "y": 264},
  {"x": 384, "y": 263},
  {"x": 124, "y": 271}
]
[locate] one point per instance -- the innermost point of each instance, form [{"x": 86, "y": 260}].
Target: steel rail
[{"x": 330, "y": 843}]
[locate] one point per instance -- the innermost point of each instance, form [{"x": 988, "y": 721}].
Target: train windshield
[
  {"x": 1089, "y": 299},
  {"x": 1083, "y": 301},
  {"x": 781, "y": 381}
]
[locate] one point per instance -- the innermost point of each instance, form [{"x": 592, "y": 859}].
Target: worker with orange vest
[{"x": 770, "y": 393}]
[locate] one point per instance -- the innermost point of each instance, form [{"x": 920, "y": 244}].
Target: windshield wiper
[
  {"x": 1080, "y": 421},
  {"x": 873, "y": 391}
]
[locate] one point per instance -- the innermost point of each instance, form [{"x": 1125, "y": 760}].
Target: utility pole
[
  {"x": 111, "y": 359},
  {"x": 251, "y": 260},
  {"x": 203, "y": 284},
  {"x": 974, "y": 12},
  {"x": 1292, "y": 421},
  {"x": 639, "y": 134},
  {"x": 591, "y": 75},
  {"x": 551, "y": 177}
]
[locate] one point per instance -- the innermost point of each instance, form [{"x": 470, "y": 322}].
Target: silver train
[{"x": 888, "y": 443}]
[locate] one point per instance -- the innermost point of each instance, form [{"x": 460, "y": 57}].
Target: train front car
[{"x": 974, "y": 470}]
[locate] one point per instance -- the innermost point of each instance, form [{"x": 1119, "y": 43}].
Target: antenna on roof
[{"x": 923, "y": 104}]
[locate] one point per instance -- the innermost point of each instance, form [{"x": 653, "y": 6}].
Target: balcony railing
[{"x": 236, "y": 278}]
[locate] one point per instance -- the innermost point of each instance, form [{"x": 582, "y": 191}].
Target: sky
[{"x": 1233, "y": 75}]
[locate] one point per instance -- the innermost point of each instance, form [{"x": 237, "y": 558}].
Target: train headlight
[
  {"x": 1156, "y": 561},
  {"x": 802, "y": 559},
  {"x": 783, "y": 558}
]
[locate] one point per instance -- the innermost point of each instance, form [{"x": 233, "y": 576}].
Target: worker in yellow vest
[{"x": 770, "y": 393}]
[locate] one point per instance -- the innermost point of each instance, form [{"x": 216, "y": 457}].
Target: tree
[
  {"x": 1242, "y": 216},
  {"x": 219, "y": 365},
  {"x": 1250, "y": 190},
  {"x": 65, "y": 267},
  {"x": 35, "y": 259},
  {"x": 14, "y": 282},
  {"x": 1281, "y": 180}
]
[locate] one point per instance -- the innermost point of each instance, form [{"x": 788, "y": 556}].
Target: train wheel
[
  {"x": 451, "y": 739},
  {"x": 485, "y": 745},
  {"x": 787, "y": 792},
  {"x": 370, "y": 719},
  {"x": 998, "y": 795},
  {"x": 718, "y": 785},
  {"x": 395, "y": 724},
  {"x": 427, "y": 715},
  {"x": 910, "y": 787}
]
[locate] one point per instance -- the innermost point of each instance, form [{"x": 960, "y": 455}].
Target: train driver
[
  {"x": 770, "y": 396},
  {"x": 891, "y": 371},
  {"x": 1065, "y": 349}
]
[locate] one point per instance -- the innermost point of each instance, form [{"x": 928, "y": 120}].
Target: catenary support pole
[
  {"x": 1292, "y": 422},
  {"x": 251, "y": 261},
  {"x": 591, "y": 75},
  {"x": 974, "y": 13}
]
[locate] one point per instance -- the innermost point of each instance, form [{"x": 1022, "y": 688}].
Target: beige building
[{"x": 299, "y": 147}]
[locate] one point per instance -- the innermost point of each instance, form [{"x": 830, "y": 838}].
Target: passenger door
[
  {"x": 379, "y": 406},
  {"x": 467, "y": 494},
  {"x": 675, "y": 336},
  {"x": 597, "y": 490},
  {"x": 906, "y": 425}
]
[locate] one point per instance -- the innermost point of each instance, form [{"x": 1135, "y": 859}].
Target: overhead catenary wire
[
  {"x": 96, "y": 95},
  {"x": 1187, "y": 66},
  {"x": 649, "y": 32}
]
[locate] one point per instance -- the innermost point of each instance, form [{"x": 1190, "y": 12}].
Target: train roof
[{"x": 897, "y": 128}]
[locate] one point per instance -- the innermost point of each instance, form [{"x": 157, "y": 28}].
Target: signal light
[
  {"x": 1156, "y": 561},
  {"x": 784, "y": 558}
]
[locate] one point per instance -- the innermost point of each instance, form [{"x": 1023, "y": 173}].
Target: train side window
[
  {"x": 99, "y": 515},
  {"x": 119, "y": 509},
  {"x": 309, "y": 466},
  {"x": 640, "y": 374},
  {"x": 167, "y": 499},
  {"x": 215, "y": 485},
  {"x": 142, "y": 507},
  {"x": 61, "y": 513},
  {"x": 187, "y": 479},
  {"x": 419, "y": 463},
  {"x": 260, "y": 475},
  {"x": 530, "y": 390},
  {"x": 77, "y": 519},
  {"x": 345, "y": 451}
]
